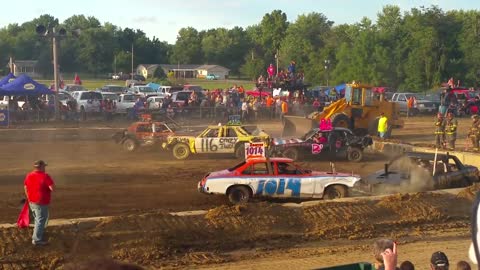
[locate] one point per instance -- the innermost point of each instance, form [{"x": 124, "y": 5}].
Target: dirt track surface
[{"x": 98, "y": 179}]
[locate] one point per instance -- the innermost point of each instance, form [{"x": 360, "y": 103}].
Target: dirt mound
[{"x": 470, "y": 192}]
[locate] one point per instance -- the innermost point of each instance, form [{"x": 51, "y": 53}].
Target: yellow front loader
[{"x": 359, "y": 110}]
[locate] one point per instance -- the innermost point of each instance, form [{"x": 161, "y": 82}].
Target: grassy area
[{"x": 94, "y": 84}]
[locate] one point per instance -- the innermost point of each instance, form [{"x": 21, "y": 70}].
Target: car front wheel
[
  {"x": 335, "y": 192},
  {"x": 354, "y": 154},
  {"x": 129, "y": 145},
  {"x": 181, "y": 151},
  {"x": 238, "y": 195}
]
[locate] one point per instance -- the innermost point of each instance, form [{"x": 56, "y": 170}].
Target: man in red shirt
[{"x": 38, "y": 187}]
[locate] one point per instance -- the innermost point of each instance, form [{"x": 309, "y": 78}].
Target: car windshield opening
[{"x": 236, "y": 166}]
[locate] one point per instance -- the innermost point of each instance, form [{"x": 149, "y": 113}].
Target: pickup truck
[
  {"x": 143, "y": 91},
  {"x": 422, "y": 105},
  {"x": 125, "y": 102}
]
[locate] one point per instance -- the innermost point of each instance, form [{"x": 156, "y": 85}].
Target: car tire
[
  {"x": 240, "y": 151},
  {"x": 355, "y": 154},
  {"x": 129, "y": 145},
  {"x": 335, "y": 192},
  {"x": 292, "y": 153},
  {"x": 181, "y": 151},
  {"x": 340, "y": 120},
  {"x": 238, "y": 194}
]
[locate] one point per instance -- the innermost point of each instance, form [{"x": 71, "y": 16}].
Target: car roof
[
  {"x": 422, "y": 155},
  {"x": 273, "y": 159}
]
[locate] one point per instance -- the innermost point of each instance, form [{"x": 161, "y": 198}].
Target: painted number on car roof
[{"x": 271, "y": 187}]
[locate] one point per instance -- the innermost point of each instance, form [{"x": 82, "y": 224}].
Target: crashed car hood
[{"x": 281, "y": 141}]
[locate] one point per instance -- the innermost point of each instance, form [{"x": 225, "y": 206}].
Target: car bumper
[{"x": 202, "y": 189}]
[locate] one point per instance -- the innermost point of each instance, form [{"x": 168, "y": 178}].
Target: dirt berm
[{"x": 159, "y": 239}]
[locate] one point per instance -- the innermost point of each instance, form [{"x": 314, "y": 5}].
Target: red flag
[{"x": 24, "y": 217}]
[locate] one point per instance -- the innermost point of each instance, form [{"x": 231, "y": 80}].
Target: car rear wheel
[
  {"x": 335, "y": 192},
  {"x": 129, "y": 145},
  {"x": 181, "y": 151},
  {"x": 238, "y": 195},
  {"x": 291, "y": 153},
  {"x": 354, "y": 154}
]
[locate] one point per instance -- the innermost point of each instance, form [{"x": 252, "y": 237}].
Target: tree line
[{"x": 415, "y": 50}]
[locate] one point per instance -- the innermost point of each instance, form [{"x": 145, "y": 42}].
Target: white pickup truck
[
  {"x": 125, "y": 102},
  {"x": 422, "y": 105},
  {"x": 143, "y": 91}
]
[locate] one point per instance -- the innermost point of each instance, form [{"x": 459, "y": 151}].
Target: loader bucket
[{"x": 297, "y": 125}]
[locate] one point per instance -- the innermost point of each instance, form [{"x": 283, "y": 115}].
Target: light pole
[
  {"x": 327, "y": 65},
  {"x": 276, "y": 58},
  {"x": 132, "y": 61},
  {"x": 54, "y": 35}
]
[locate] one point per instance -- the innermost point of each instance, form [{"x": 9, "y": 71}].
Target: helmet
[{"x": 474, "y": 116}]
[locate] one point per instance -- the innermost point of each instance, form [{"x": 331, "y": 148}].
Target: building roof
[
  {"x": 190, "y": 67},
  {"x": 25, "y": 63}
]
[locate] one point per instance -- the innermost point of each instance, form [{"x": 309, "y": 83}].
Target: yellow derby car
[{"x": 227, "y": 139}]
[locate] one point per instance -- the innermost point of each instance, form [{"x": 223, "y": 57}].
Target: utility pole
[
  {"x": 327, "y": 65},
  {"x": 277, "y": 56},
  {"x": 132, "y": 60},
  {"x": 10, "y": 65},
  {"x": 55, "y": 76}
]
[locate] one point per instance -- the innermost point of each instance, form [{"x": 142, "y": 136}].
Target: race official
[
  {"x": 38, "y": 187},
  {"x": 382, "y": 126},
  {"x": 439, "y": 131},
  {"x": 451, "y": 130},
  {"x": 474, "y": 132}
]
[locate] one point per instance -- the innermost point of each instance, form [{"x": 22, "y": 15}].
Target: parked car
[
  {"x": 125, "y": 102},
  {"x": 155, "y": 102},
  {"x": 181, "y": 97},
  {"x": 109, "y": 96},
  {"x": 118, "y": 89},
  {"x": 191, "y": 87},
  {"x": 276, "y": 177},
  {"x": 87, "y": 101},
  {"x": 414, "y": 171},
  {"x": 140, "y": 134},
  {"x": 143, "y": 91},
  {"x": 423, "y": 106},
  {"x": 212, "y": 77},
  {"x": 337, "y": 143},
  {"x": 227, "y": 139},
  {"x": 73, "y": 87},
  {"x": 138, "y": 77}
]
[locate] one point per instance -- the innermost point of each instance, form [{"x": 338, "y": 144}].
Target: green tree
[{"x": 187, "y": 49}]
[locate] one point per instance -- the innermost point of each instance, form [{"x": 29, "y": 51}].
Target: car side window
[
  {"x": 212, "y": 133},
  {"x": 256, "y": 169},
  {"x": 144, "y": 128},
  {"x": 230, "y": 132},
  {"x": 284, "y": 168},
  {"x": 160, "y": 128}
]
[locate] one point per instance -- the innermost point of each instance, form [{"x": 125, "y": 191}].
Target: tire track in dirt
[{"x": 159, "y": 239}]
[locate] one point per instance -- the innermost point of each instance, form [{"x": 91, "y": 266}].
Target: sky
[{"x": 163, "y": 19}]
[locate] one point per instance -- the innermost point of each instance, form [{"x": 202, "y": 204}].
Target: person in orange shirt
[
  {"x": 284, "y": 107},
  {"x": 270, "y": 107}
]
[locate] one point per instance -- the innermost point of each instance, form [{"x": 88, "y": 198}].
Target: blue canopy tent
[
  {"x": 7, "y": 79},
  {"x": 154, "y": 86},
  {"x": 24, "y": 86}
]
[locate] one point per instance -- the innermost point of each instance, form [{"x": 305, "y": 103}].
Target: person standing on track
[
  {"x": 38, "y": 187},
  {"x": 451, "y": 130},
  {"x": 439, "y": 131},
  {"x": 474, "y": 132},
  {"x": 382, "y": 126}
]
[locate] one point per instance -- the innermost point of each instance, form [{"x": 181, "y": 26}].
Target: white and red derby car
[{"x": 278, "y": 178}]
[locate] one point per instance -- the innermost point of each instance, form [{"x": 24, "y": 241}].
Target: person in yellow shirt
[
  {"x": 284, "y": 107},
  {"x": 382, "y": 126}
]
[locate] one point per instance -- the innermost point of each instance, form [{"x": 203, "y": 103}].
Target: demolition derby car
[
  {"x": 227, "y": 139},
  {"x": 276, "y": 177},
  {"x": 335, "y": 142},
  {"x": 416, "y": 171},
  {"x": 145, "y": 133}
]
